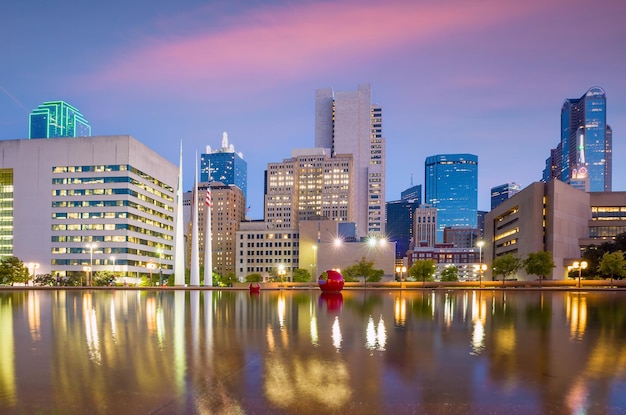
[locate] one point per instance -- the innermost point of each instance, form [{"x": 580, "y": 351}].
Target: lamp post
[
  {"x": 580, "y": 266},
  {"x": 401, "y": 271},
  {"x": 91, "y": 246},
  {"x": 281, "y": 273},
  {"x": 151, "y": 265},
  {"x": 481, "y": 268},
  {"x": 32, "y": 267},
  {"x": 113, "y": 259},
  {"x": 160, "y": 268}
]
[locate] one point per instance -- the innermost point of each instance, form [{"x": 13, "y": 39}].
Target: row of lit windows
[
  {"x": 101, "y": 168},
  {"x": 506, "y": 234},
  {"x": 104, "y": 180},
  {"x": 109, "y": 238},
  {"x": 605, "y": 231},
  {"x": 269, "y": 236},
  {"x": 110, "y": 227},
  {"x": 268, "y": 244}
]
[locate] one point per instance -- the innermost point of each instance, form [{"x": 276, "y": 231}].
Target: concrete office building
[
  {"x": 425, "y": 226},
  {"x": 551, "y": 216},
  {"x": 227, "y": 212},
  {"x": 348, "y": 123},
  {"x": 327, "y": 244},
  {"x": 60, "y": 195},
  {"x": 309, "y": 185},
  {"x": 263, "y": 248}
]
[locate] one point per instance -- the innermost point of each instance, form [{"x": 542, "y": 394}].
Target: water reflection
[{"x": 298, "y": 352}]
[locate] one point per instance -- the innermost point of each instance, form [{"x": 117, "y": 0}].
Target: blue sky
[{"x": 486, "y": 77}]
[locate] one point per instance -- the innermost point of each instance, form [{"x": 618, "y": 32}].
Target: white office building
[
  {"x": 78, "y": 205},
  {"x": 348, "y": 123}
]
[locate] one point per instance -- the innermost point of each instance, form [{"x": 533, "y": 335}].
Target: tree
[
  {"x": 254, "y": 277},
  {"x": 506, "y": 265},
  {"x": 450, "y": 273},
  {"x": 301, "y": 275},
  {"x": 423, "y": 269},
  {"x": 44, "y": 279},
  {"x": 539, "y": 263},
  {"x": 613, "y": 263},
  {"x": 13, "y": 270},
  {"x": 363, "y": 268}
]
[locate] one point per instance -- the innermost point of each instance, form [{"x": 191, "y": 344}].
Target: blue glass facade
[
  {"x": 586, "y": 143},
  {"x": 503, "y": 192},
  {"x": 399, "y": 224},
  {"x": 226, "y": 167},
  {"x": 451, "y": 186},
  {"x": 57, "y": 119}
]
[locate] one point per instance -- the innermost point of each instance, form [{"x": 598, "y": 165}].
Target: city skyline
[{"x": 485, "y": 78}]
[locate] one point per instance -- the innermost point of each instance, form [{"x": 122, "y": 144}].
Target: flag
[{"x": 207, "y": 199}]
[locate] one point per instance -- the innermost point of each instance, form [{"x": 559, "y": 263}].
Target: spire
[
  {"x": 194, "y": 277},
  {"x": 179, "y": 244},
  {"x": 224, "y": 140}
]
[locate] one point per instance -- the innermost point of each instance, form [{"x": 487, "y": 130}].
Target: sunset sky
[{"x": 486, "y": 77}]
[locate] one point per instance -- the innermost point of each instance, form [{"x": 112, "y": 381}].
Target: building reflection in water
[{"x": 282, "y": 351}]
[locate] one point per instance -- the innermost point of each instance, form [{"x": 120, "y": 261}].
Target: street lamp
[
  {"x": 91, "y": 246},
  {"x": 401, "y": 271},
  {"x": 481, "y": 268},
  {"x": 113, "y": 259},
  {"x": 32, "y": 267},
  {"x": 281, "y": 273},
  {"x": 151, "y": 265},
  {"x": 580, "y": 266},
  {"x": 160, "y": 268}
]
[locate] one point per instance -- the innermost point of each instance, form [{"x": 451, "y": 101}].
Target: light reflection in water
[
  {"x": 336, "y": 334},
  {"x": 577, "y": 314},
  {"x": 91, "y": 329},
  {"x": 34, "y": 316},
  {"x": 8, "y": 387},
  {"x": 113, "y": 320},
  {"x": 225, "y": 352},
  {"x": 399, "y": 311},
  {"x": 375, "y": 336},
  {"x": 479, "y": 317},
  {"x": 313, "y": 329},
  {"x": 281, "y": 310}
]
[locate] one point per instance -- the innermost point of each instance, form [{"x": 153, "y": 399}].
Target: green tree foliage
[
  {"x": 301, "y": 275},
  {"x": 422, "y": 270},
  {"x": 450, "y": 274},
  {"x": 612, "y": 264},
  {"x": 13, "y": 270},
  {"x": 254, "y": 277},
  {"x": 539, "y": 263},
  {"x": 45, "y": 280},
  {"x": 506, "y": 265},
  {"x": 363, "y": 268}
]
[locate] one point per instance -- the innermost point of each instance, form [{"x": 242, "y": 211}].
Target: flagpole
[
  {"x": 179, "y": 241},
  {"x": 194, "y": 277},
  {"x": 208, "y": 237}
]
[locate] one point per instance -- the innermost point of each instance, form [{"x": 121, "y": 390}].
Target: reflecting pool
[{"x": 300, "y": 351}]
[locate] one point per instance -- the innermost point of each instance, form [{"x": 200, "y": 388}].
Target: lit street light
[
  {"x": 160, "y": 268},
  {"x": 32, "y": 268},
  {"x": 580, "y": 266},
  {"x": 401, "y": 271},
  {"x": 151, "y": 265},
  {"x": 91, "y": 246},
  {"x": 113, "y": 259}
]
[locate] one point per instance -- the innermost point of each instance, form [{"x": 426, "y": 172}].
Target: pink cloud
[{"x": 280, "y": 43}]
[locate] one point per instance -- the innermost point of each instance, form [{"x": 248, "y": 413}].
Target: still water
[{"x": 285, "y": 352}]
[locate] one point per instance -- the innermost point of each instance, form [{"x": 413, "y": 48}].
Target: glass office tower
[
  {"x": 57, "y": 119},
  {"x": 451, "y": 186},
  {"x": 583, "y": 157},
  {"x": 226, "y": 166}
]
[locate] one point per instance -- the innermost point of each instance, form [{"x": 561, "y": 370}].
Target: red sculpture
[
  {"x": 254, "y": 289},
  {"x": 332, "y": 301},
  {"x": 331, "y": 281}
]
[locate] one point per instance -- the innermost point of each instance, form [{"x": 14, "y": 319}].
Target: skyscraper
[
  {"x": 347, "y": 122},
  {"x": 309, "y": 186},
  {"x": 503, "y": 192},
  {"x": 399, "y": 224},
  {"x": 583, "y": 157},
  {"x": 226, "y": 166},
  {"x": 451, "y": 186},
  {"x": 55, "y": 119}
]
